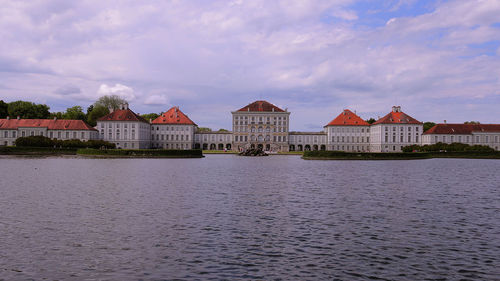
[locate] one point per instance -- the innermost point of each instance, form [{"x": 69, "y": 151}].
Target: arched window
[{"x": 261, "y": 138}]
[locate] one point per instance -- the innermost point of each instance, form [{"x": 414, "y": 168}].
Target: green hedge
[
  {"x": 41, "y": 141},
  {"x": 452, "y": 147},
  {"x": 174, "y": 153},
  {"x": 17, "y": 150},
  {"x": 322, "y": 154}
]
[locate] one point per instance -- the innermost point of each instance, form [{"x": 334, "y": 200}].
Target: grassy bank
[
  {"x": 42, "y": 151},
  {"x": 141, "y": 153},
  {"x": 219, "y": 152},
  {"x": 341, "y": 155},
  {"x": 467, "y": 154}
]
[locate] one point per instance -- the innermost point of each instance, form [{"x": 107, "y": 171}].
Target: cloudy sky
[{"x": 437, "y": 59}]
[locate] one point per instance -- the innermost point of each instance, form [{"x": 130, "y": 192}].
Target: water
[{"x": 226, "y": 217}]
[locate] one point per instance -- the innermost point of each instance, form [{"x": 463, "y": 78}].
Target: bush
[
  {"x": 452, "y": 147},
  {"x": 41, "y": 141},
  {"x": 144, "y": 152},
  {"x": 363, "y": 155},
  {"x": 34, "y": 141}
]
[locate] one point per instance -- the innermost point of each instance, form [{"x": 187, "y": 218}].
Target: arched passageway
[
  {"x": 196, "y": 146},
  {"x": 323, "y": 147},
  {"x": 205, "y": 146},
  {"x": 299, "y": 147},
  {"x": 292, "y": 147},
  {"x": 213, "y": 146},
  {"x": 221, "y": 146},
  {"x": 228, "y": 146},
  {"x": 315, "y": 147},
  {"x": 307, "y": 147}
]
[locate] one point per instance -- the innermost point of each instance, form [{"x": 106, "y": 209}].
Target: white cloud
[
  {"x": 156, "y": 100},
  {"x": 120, "y": 90},
  {"x": 345, "y": 14}
]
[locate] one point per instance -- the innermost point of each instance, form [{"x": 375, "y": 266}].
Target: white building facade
[
  {"x": 261, "y": 125},
  {"x": 11, "y": 129},
  {"x": 471, "y": 134},
  {"x": 348, "y": 132},
  {"x": 125, "y": 129},
  {"x": 173, "y": 130},
  {"x": 394, "y": 131}
]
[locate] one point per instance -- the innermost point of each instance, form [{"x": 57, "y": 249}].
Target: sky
[{"x": 438, "y": 60}]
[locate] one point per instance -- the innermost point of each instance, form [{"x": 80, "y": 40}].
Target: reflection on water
[{"x": 230, "y": 217}]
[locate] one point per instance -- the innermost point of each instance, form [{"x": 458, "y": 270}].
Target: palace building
[
  {"x": 125, "y": 128},
  {"x": 11, "y": 129},
  {"x": 257, "y": 125},
  {"x": 471, "y": 134},
  {"x": 261, "y": 125}
]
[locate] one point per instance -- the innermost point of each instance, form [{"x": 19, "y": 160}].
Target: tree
[
  {"x": 4, "y": 109},
  {"x": 371, "y": 121},
  {"x": 151, "y": 116},
  {"x": 204, "y": 129},
  {"x": 428, "y": 125},
  {"x": 58, "y": 115},
  {"x": 74, "y": 113},
  {"x": 472, "y": 122},
  {"x": 112, "y": 101},
  {"x": 222, "y": 130},
  {"x": 28, "y": 110},
  {"x": 97, "y": 112}
]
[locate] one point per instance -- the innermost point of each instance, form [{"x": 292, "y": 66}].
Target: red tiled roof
[
  {"x": 397, "y": 118},
  {"x": 348, "y": 118},
  {"x": 463, "y": 129},
  {"x": 51, "y": 124},
  {"x": 173, "y": 116},
  {"x": 122, "y": 115},
  {"x": 262, "y": 106}
]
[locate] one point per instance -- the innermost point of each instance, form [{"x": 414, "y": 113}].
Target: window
[
  {"x": 83, "y": 135},
  {"x": 67, "y": 135},
  {"x": 6, "y": 134},
  {"x": 14, "y": 134}
]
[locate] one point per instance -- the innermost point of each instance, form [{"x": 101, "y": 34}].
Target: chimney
[
  {"x": 55, "y": 118},
  {"x": 445, "y": 121},
  {"x": 8, "y": 117},
  {"x": 18, "y": 117},
  {"x": 273, "y": 109},
  {"x": 150, "y": 120},
  {"x": 111, "y": 109},
  {"x": 396, "y": 109},
  {"x": 124, "y": 106}
]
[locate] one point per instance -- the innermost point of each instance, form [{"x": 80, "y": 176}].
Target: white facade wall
[
  {"x": 302, "y": 141},
  {"x": 214, "y": 140},
  {"x": 491, "y": 139},
  {"x": 269, "y": 129},
  {"x": 348, "y": 138},
  {"x": 172, "y": 136},
  {"x": 8, "y": 137},
  {"x": 392, "y": 137},
  {"x": 126, "y": 134}
]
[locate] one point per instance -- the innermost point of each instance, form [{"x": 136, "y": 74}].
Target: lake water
[{"x": 226, "y": 217}]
